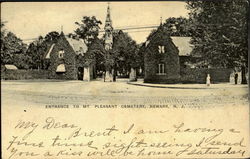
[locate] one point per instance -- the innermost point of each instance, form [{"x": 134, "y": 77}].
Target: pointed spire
[
  {"x": 161, "y": 21},
  {"x": 108, "y": 30},
  {"x": 108, "y": 23},
  {"x": 61, "y": 28},
  {"x": 108, "y": 18}
]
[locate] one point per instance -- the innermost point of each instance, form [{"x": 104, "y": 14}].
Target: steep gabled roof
[
  {"x": 78, "y": 45},
  {"x": 183, "y": 45}
]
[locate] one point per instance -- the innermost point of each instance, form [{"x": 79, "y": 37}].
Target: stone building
[
  {"x": 169, "y": 59},
  {"x": 64, "y": 63},
  {"x": 161, "y": 58}
]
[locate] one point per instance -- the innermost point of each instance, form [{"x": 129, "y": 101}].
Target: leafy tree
[
  {"x": 21, "y": 61},
  {"x": 220, "y": 32},
  {"x": 88, "y": 28},
  {"x": 2, "y": 40},
  {"x": 97, "y": 52},
  {"x": 178, "y": 26},
  {"x": 124, "y": 52},
  {"x": 36, "y": 52},
  {"x": 94, "y": 55},
  {"x": 51, "y": 37},
  {"x": 11, "y": 48},
  {"x": 38, "y": 48}
]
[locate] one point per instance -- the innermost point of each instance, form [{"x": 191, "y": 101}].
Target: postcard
[{"x": 124, "y": 80}]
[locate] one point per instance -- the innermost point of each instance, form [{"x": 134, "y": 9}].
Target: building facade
[
  {"x": 161, "y": 59},
  {"x": 169, "y": 59},
  {"x": 63, "y": 60}
]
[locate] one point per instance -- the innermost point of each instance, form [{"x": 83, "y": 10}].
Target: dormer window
[
  {"x": 61, "y": 54},
  {"x": 161, "y": 49}
]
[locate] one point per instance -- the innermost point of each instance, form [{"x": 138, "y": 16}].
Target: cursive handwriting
[{"x": 63, "y": 139}]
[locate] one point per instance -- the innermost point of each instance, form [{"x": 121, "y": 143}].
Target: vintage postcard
[{"x": 124, "y": 80}]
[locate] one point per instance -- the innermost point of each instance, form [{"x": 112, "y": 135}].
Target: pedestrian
[
  {"x": 208, "y": 80},
  {"x": 235, "y": 78}
]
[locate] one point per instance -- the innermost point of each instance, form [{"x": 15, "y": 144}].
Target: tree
[
  {"x": 124, "y": 52},
  {"x": 51, "y": 37},
  {"x": 12, "y": 47},
  {"x": 88, "y": 29},
  {"x": 38, "y": 48},
  {"x": 178, "y": 26},
  {"x": 220, "y": 32},
  {"x": 2, "y": 40},
  {"x": 97, "y": 52},
  {"x": 94, "y": 55},
  {"x": 36, "y": 51}
]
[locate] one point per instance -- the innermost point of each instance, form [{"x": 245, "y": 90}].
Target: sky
[{"x": 31, "y": 19}]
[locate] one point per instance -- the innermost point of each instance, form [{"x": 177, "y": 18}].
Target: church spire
[
  {"x": 108, "y": 31},
  {"x": 108, "y": 22}
]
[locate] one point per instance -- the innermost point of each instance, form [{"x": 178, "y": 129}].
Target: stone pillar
[
  {"x": 91, "y": 73},
  {"x": 86, "y": 74},
  {"x": 132, "y": 75},
  {"x": 108, "y": 77}
]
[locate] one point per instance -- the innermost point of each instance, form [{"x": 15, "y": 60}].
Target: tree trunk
[{"x": 243, "y": 75}]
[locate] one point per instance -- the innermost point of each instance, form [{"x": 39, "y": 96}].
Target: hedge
[{"x": 24, "y": 74}]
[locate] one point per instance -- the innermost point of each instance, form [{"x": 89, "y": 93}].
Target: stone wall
[{"x": 198, "y": 75}]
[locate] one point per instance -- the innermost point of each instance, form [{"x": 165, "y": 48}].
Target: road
[{"x": 120, "y": 92}]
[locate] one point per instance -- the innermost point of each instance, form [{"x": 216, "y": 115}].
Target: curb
[{"x": 171, "y": 87}]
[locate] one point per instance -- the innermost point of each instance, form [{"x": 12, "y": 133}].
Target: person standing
[{"x": 208, "y": 80}]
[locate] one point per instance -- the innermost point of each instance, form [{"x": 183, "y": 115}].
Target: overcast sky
[{"x": 31, "y": 19}]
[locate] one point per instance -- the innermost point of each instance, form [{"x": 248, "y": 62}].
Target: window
[
  {"x": 60, "y": 68},
  {"x": 161, "y": 69},
  {"x": 61, "y": 53},
  {"x": 108, "y": 46},
  {"x": 161, "y": 49}
]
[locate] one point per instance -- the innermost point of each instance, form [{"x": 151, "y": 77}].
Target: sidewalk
[{"x": 187, "y": 86}]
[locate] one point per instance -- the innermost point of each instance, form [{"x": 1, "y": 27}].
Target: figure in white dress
[{"x": 208, "y": 80}]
